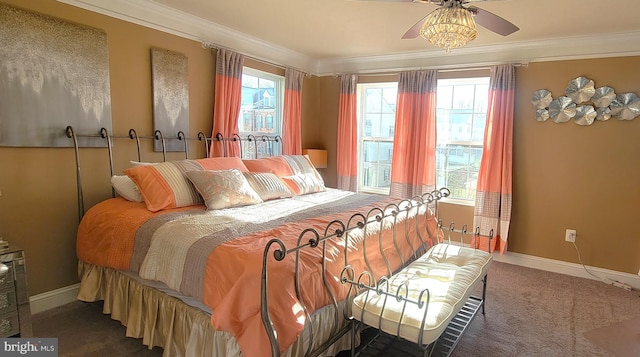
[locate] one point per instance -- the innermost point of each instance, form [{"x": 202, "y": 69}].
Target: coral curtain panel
[
  {"x": 348, "y": 134},
  {"x": 227, "y": 101},
  {"x": 493, "y": 195},
  {"x": 413, "y": 169},
  {"x": 291, "y": 128}
]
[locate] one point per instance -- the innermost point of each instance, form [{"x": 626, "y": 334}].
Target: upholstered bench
[{"x": 419, "y": 302}]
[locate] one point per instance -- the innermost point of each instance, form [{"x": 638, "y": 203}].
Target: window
[
  {"x": 376, "y": 115},
  {"x": 461, "y": 112},
  {"x": 461, "y": 115},
  {"x": 260, "y": 111}
]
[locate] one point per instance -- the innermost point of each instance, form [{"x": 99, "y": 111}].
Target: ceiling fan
[{"x": 460, "y": 12}]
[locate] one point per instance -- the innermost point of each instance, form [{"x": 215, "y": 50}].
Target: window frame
[
  {"x": 361, "y": 90},
  {"x": 277, "y": 119},
  {"x": 474, "y": 144}
]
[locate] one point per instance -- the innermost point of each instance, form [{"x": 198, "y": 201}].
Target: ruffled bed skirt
[{"x": 168, "y": 322}]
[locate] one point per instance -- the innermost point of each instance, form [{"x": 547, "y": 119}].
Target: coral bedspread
[{"x": 216, "y": 256}]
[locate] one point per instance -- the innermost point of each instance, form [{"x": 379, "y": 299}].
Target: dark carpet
[{"x": 529, "y": 312}]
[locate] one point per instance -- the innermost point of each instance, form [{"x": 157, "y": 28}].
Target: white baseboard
[
  {"x": 54, "y": 298},
  {"x": 558, "y": 266},
  {"x": 67, "y": 294}
]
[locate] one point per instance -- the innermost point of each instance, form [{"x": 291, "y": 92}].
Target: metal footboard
[{"x": 406, "y": 221}]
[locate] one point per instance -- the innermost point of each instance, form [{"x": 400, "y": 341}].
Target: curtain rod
[
  {"x": 213, "y": 46},
  {"x": 440, "y": 69}
]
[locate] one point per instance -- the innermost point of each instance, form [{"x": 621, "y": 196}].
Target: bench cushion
[{"x": 450, "y": 272}]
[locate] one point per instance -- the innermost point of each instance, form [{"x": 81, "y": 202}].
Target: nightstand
[{"x": 15, "y": 312}]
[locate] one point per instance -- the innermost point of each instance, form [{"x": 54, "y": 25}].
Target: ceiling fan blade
[
  {"x": 414, "y": 31},
  {"x": 492, "y": 22}
]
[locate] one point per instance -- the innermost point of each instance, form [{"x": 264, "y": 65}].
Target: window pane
[
  {"x": 261, "y": 111},
  {"x": 463, "y": 96},
  {"x": 373, "y": 100},
  {"x": 249, "y": 81},
  {"x": 475, "y": 156},
  {"x": 376, "y": 164},
  {"x": 444, "y": 96},
  {"x": 461, "y": 116},
  {"x": 370, "y": 151},
  {"x": 389, "y": 96},
  {"x": 460, "y": 125},
  {"x": 482, "y": 98},
  {"x": 479, "y": 122},
  {"x": 377, "y": 107},
  {"x": 387, "y": 125},
  {"x": 385, "y": 152}
]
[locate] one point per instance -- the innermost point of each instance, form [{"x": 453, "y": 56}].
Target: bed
[{"x": 210, "y": 257}]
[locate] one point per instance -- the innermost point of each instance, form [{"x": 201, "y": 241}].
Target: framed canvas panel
[
  {"x": 169, "y": 75},
  {"x": 53, "y": 74}
]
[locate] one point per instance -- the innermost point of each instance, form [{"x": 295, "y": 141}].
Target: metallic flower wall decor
[{"x": 585, "y": 104}]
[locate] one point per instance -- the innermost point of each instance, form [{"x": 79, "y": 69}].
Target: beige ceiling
[{"x": 329, "y": 35}]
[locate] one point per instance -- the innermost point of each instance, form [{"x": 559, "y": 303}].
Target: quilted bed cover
[{"x": 216, "y": 256}]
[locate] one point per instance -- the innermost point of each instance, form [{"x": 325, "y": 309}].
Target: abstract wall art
[
  {"x": 170, "y": 97},
  {"x": 53, "y": 74}
]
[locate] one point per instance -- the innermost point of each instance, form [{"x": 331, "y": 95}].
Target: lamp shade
[{"x": 318, "y": 157}]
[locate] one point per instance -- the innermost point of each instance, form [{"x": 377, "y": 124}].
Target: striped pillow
[
  {"x": 222, "y": 163},
  {"x": 300, "y": 164},
  {"x": 305, "y": 178},
  {"x": 302, "y": 184},
  {"x": 164, "y": 185},
  {"x": 267, "y": 185},
  {"x": 277, "y": 165}
]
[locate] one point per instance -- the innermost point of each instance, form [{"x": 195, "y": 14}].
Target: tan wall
[
  {"x": 38, "y": 206},
  {"x": 38, "y": 203},
  {"x": 580, "y": 177},
  {"x": 565, "y": 175}
]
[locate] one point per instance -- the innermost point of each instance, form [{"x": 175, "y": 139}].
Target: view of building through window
[
  {"x": 261, "y": 111},
  {"x": 460, "y": 114},
  {"x": 377, "y": 117}
]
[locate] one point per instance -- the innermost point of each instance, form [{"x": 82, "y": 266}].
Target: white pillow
[{"x": 126, "y": 188}]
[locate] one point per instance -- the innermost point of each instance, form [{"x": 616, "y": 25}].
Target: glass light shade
[{"x": 449, "y": 27}]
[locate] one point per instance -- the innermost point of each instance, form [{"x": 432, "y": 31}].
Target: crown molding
[
  {"x": 162, "y": 18},
  {"x": 558, "y": 49}
]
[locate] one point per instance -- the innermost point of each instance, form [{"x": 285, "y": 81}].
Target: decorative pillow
[
  {"x": 303, "y": 183},
  {"x": 222, "y": 163},
  {"x": 164, "y": 185},
  {"x": 126, "y": 188},
  {"x": 267, "y": 185},
  {"x": 300, "y": 164},
  {"x": 223, "y": 188},
  {"x": 277, "y": 165}
]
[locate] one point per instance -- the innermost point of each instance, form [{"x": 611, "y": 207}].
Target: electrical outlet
[{"x": 570, "y": 235}]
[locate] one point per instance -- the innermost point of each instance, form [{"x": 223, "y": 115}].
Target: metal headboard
[
  {"x": 268, "y": 140},
  {"x": 103, "y": 133}
]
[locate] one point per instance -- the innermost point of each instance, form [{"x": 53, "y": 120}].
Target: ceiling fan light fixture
[{"x": 449, "y": 27}]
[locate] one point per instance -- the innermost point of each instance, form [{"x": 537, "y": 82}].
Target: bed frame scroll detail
[{"x": 419, "y": 207}]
